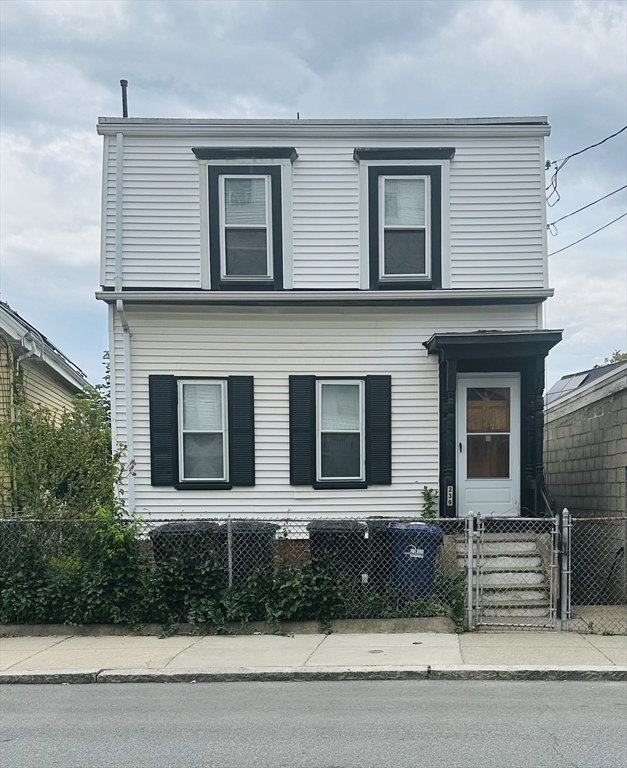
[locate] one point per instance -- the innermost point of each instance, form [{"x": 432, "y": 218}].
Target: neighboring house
[
  {"x": 586, "y": 441},
  {"x": 47, "y": 376},
  {"x": 320, "y": 317}
]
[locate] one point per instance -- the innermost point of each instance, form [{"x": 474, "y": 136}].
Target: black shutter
[
  {"x": 163, "y": 430},
  {"x": 302, "y": 430},
  {"x": 241, "y": 430},
  {"x": 379, "y": 430}
]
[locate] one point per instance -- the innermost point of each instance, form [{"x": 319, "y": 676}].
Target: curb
[
  {"x": 322, "y": 674},
  {"x": 55, "y": 676},
  {"x": 435, "y": 624}
]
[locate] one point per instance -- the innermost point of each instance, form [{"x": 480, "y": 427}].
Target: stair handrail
[{"x": 549, "y": 502}]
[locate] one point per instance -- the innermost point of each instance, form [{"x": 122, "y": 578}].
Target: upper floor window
[
  {"x": 245, "y": 195},
  {"x": 405, "y": 224},
  {"x": 245, "y": 228},
  {"x": 404, "y": 227}
]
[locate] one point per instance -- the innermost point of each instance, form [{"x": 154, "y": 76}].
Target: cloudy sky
[{"x": 62, "y": 62}]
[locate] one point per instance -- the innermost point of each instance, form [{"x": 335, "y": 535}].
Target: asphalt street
[{"x": 439, "y": 724}]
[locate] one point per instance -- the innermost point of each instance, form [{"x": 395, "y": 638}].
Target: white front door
[{"x": 488, "y": 444}]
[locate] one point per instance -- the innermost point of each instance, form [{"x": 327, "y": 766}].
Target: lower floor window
[
  {"x": 203, "y": 446},
  {"x": 202, "y": 432},
  {"x": 340, "y": 430}
]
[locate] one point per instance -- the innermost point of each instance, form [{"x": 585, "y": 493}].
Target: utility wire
[
  {"x": 594, "y": 202},
  {"x": 592, "y": 146},
  {"x": 559, "y": 164},
  {"x": 581, "y": 239}
]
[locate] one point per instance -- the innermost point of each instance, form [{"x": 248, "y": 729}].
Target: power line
[
  {"x": 559, "y": 164},
  {"x": 592, "y": 146},
  {"x": 594, "y": 202},
  {"x": 581, "y": 239}
]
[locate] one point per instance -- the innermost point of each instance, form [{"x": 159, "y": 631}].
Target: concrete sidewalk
[{"x": 507, "y": 655}]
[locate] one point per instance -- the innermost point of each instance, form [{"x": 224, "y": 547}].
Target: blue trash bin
[{"x": 415, "y": 547}]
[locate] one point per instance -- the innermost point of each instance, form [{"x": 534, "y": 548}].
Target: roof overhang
[
  {"x": 38, "y": 349},
  {"x": 492, "y": 344},
  {"x": 393, "y": 298},
  {"x": 415, "y": 129}
]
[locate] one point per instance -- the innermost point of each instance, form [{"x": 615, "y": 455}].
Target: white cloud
[{"x": 68, "y": 19}]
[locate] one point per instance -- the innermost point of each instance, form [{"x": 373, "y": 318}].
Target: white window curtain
[
  {"x": 245, "y": 202},
  {"x": 404, "y": 203},
  {"x": 202, "y": 407},
  {"x": 340, "y": 407}
]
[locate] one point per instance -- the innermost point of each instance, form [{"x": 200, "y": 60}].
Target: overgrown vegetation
[
  {"x": 100, "y": 571},
  {"x": 60, "y": 465}
]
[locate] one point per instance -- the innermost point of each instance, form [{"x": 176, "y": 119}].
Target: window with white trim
[
  {"x": 245, "y": 227},
  {"x": 404, "y": 231},
  {"x": 203, "y": 430},
  {"x": 340, "y": 430}
]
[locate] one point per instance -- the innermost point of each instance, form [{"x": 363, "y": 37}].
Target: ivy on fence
[{"x": 101, "y": 571}]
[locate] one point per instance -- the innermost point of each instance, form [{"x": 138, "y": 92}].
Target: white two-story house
[{"x": 320, "y": 317}]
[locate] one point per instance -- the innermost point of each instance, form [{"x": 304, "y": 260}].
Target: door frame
[{"x": 509, "y": 379}]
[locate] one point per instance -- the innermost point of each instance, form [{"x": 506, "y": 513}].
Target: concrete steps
[{"x": 513, "y": 580}]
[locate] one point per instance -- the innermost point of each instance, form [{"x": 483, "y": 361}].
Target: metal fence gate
[{"x": 513, "y": 572}]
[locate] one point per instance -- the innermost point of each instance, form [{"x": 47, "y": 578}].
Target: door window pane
[
  {"x": 203, "y": 456},
  {"x": 246, "y": 252},
  {"x": 488, "y": 409},
  {"x": 405, "y": 202},
  {"x": 245, "y": 202},
  {"x": 341, "y": 455},
  {"x": 340, "y": 407},
  {"x": 488, "y": 456},
  {"x": 202, "y": 407},
  {"x": 405, "y": 252}
]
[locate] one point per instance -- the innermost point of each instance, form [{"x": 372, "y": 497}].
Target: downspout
[
  {"x": 128, "y": 399},
  {"x": 119, "y": 305}
]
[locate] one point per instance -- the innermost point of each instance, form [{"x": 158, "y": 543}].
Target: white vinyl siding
[
  {"x": 161, "y": 219},
  {"x": 326, "y": 216},
  {"x": 496, "y": 211},
  {"x": 497, "y": 203},
  {"x": 270, "y": 345}
]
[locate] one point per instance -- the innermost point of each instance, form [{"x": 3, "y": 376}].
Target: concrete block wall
[
  {"x": 585, "y": 452},
  {"x": 585, "y": 455}
]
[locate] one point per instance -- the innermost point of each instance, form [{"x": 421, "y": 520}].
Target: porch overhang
[
  {"x": 492, "y": 344},
  {"x": 486, "y": 352}
]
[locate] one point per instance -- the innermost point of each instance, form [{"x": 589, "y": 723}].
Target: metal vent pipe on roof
[{"x": 124, "y": 84}]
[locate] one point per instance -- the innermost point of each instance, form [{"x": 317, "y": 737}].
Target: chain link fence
[
  {"x": 215, "y": 572},
  {"x": 514, "y": 573},
  {"x": 598, "y": 575}
]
